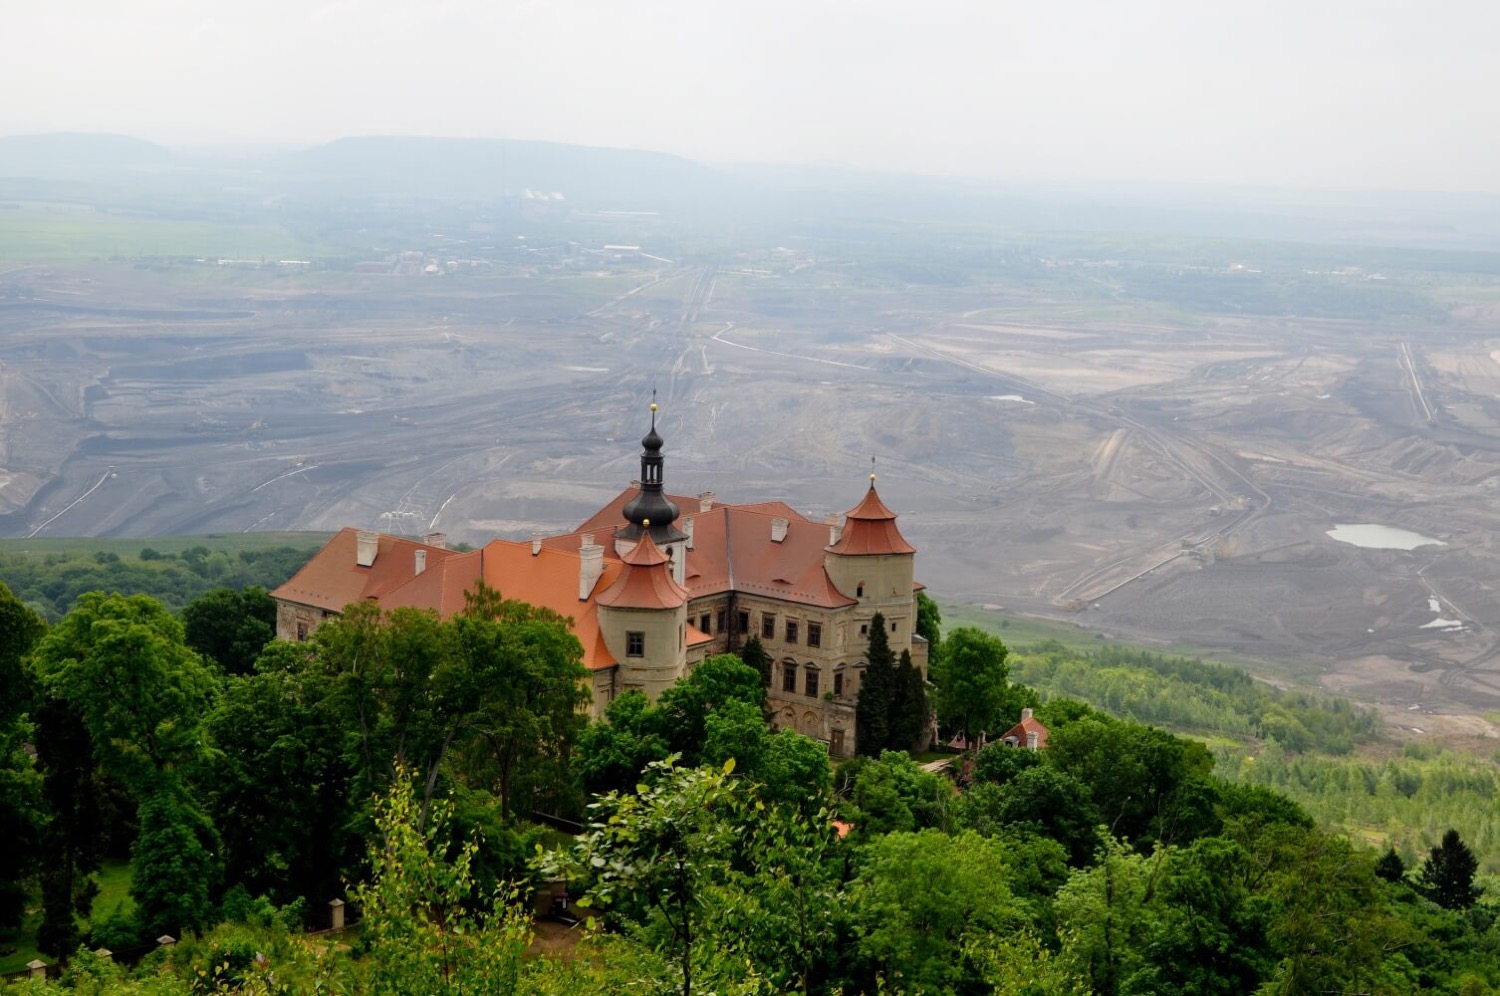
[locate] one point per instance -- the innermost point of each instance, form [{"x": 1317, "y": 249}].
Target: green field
[
  {"x": 114, "y": 890},
  {"x": 89, "y": 545},
  {"x": 58, "y": 234}
]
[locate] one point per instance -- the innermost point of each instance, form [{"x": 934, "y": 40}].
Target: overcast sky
[{"x": 1322, "y": 93}]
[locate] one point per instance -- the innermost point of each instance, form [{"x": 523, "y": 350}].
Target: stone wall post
[
  {"x": 336, "y": 911},
  {"x": 37, "y": 968}
]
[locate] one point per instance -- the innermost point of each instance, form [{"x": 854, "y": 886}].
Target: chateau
[{"x": 654, "y": 583}]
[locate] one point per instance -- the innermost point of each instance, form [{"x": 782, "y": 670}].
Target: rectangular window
[
  {"x": 893, "y": 627},
  {"x": 635, "y": 644},
  {"x": 704, "y": 623},
  {"x": 812, "y": 683},
  {"x": 719, "y": 620},
  {"x": 791, "y": 631},
  {"x": 838, "y": 683},
  {"x": 864, "y": 629},
  {"x": 768, "y": 625},
  {"x": 301, "y": 632},
  {"x": 744, "y": 622},
  {"x": 789, "y": 677},
  {"x": 814, "y": 634}
]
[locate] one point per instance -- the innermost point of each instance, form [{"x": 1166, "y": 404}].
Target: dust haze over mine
[{"x": 1139, "y": 410}]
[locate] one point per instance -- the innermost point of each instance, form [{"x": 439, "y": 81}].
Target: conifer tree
[
  {"x": 908, "y": 710},
  {"x": 1390, "y": 866},
  {"x": 872, "y": 716},
  {"x": 754, "y": 654},
  {"x": 1447, "y": 876}
]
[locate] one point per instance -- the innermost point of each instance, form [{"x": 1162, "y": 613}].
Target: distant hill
[
  {"x": 71, "y": 156},
  {"x": 619, "y": 179}
]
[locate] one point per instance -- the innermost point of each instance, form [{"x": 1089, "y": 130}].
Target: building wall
[
  {"x": 295, "y": 622},
  {"x": 664, "y": 656}
]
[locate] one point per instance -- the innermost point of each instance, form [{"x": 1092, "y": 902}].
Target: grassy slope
[{"x": 114, "y": 890}]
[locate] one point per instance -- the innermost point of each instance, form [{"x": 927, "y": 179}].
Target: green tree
[
  {"x": 891, "y": 793},
  {"x": 230, "y": 627},
  {"x": 427, "y": 930},
  {"x": 753, "y": 653},
  {"x": 142, "y": 693},
  {"x": 877, "y": 691},
  {"x": 20, "y": 786},
  {"x": 74, "y": 833},
  {"x": 1390, "y": 866},
  {"x": 972, "y": 693},
  {"x": 929, "y": 620},
  {"x": 1105, "y": 913},
  {"x": 919, "y": 897},
  {"x": 613, "y": 752},
  {"x": 274, "y": 739},
  {"x": 1447, "y": 876},
  {"x": 660, "y": 851},
  {"x": 907, "y": 722},
  {"x": 686, "y": 706}
]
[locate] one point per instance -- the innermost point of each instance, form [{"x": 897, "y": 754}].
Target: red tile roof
[
  {"x": 646, "y": 581},
  {"x": 333, "y": 579},
  {"x": 870, "y": 529},
  {"x": 1025, "y": 726}
]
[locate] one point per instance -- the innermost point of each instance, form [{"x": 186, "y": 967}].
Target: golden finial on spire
[
  {"x": 645, "y": 523},
  {"x": 653, "y": 406},
  {"x": 872, "y": 471}
]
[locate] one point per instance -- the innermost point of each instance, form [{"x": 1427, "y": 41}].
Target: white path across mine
[{"x": 97, "y": 484}]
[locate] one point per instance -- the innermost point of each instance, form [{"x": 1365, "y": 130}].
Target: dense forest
[{"x": 399, "y": 763}]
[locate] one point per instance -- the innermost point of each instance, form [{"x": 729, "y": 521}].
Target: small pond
[{"x": 1376, "y": 537}]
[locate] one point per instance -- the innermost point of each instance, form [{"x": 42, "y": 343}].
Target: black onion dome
[{"x": 651, "y": 503}]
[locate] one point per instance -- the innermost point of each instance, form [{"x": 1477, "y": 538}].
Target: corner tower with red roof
[
  {"x": 870, "y": 562},
  {"x": 643, "y": 619}
]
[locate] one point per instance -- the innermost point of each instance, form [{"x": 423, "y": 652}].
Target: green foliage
[
  {"x": 231, "y": 627},
  {"x": 907, "y": 721},
  {"x": 21, "y": 812},
  {"x": 123, "y": 664},
  {"x": 877, "y": 690},
  {"x": 51, "y": 583},
  {"x": 657, "y": 852},
  {"x": 426, "y": 930},
  {"x": 929, "y": 620},
  {"x": 1447, "y": 876},
  {"x": 753, "y": 653},
  {"x": 1148, "y": 784},
  {"x": 920, "y": 898},
  {"x": 1195, "y": 696},
  {"x": 972, "y": 693},
  {"x": 891, "y": 794}
]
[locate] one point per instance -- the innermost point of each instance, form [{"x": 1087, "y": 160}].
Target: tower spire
[{"x": 651, "y": 510}]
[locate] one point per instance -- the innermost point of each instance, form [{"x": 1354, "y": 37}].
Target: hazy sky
[{"x": 1326, "y": 93}]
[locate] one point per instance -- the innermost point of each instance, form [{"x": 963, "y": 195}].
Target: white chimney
[
  {"x": 687, "y": 530},
  {"x": 834, "y": 530},
  {"x": 1031, "y": 739},
  {"x": 439, "y": 540},
  {"x": 706, "y": 501},
  {"x": 590, "y": 566},
  {"x": 366, "y": 545},
  {"x": 536, "y": 544},
  {"x": 421, "y": 561},
  {"x": 1025, "y": 715},
  {"x": 778, "y": 529}
]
